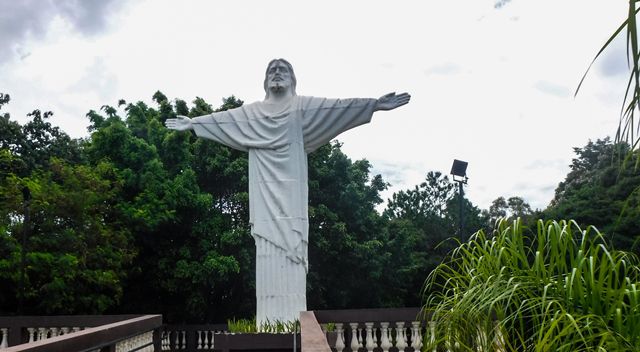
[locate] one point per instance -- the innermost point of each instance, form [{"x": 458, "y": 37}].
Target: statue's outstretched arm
[
  {"x": 180, "y": 123},
  {"x": 392, "y": 100}
]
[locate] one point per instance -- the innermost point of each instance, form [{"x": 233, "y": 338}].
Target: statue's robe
[{"x": 278, "y": 140}]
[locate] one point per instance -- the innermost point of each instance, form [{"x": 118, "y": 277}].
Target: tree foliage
[
  {"x": 151, "y": 220},
  {"x": 601, "y": 191},
  {"x": 77, "y": 248},
  {"x": 422, "y": 223}
]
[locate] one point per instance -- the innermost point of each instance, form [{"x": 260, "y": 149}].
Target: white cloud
[{"x": 487, "y": 89}]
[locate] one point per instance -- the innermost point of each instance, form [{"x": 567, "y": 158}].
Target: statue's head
[{"x": 279, "y": 75}]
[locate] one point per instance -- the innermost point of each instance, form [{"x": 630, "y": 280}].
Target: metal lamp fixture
[
  {"x": 459, "y": 172},
  {"x": 459, "y": 169}
]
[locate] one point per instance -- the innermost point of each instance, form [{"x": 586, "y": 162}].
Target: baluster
[
  {"x": 339, "y": 338},
  {"x": 432, "y": 335},
  {"x": 54, "y": 332},
  {"x": 360, "y": 345},
  {"x": 165, "y": 340},
  {"x": 173, "y": 340},
  {"x": 498, "y": 341},
  {"x": 482, "y": 340},
  {"x": 184, "y": 340},
  {"x": 41, "y": 334},
  {"x": 416, "y": 336},
  {"x": 199, "y": 346},
  {"x": 76, "y": 329},
  {"x": 5, "y": 336},
  {"x": 385, "y": 344},
  {"x": 354, "y": 337},
  {"x": 370, "y": 344},
  {"x": 401, "y": 337},
  {"x": 64, "y": 330},
  {"x": 31, "y": 334}
]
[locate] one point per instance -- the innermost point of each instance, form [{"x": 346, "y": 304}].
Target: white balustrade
[
  {"x": 385, "y": 342},
  {"x": 432, "y": 335},
  {"x": 32, "y": 336},
  {"x": 205, "y": 339},
  {"x": 137, "y": 342},
  {"x": 381, "y": 335},
  {"x": 164, "y": 341},
  {"x": 370, "y": 344},
  {"x": 5, "y": 337},
  {"x": 416, "y": 336},
  {"x": 355, "y": 339},
  {"x": 172, "y": 340},
  {"x": 401, "y": 336},
  {"x": 499, "y": 342},
  {"x": 339, "y": 338}
]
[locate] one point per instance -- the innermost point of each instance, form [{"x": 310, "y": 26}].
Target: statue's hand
[
  {"x": 181, "y": 123},
  {"x": 391, "y": 101}
]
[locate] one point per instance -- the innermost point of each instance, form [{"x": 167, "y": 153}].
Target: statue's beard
[{"x": 277, "y": 87}]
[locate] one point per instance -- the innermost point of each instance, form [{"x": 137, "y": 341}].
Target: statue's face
[{"x": 278, "y": 77}]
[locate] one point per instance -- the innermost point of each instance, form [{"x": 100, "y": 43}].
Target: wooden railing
[
  {"x": 136, "y": 333},
  {"x": 22, "y": 329},
  {"x": 372, "y": 330}
]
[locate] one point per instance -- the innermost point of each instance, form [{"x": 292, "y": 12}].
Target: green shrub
[
  {"x": 560, "y": 288},
  {"x": 250, "y": 326}
]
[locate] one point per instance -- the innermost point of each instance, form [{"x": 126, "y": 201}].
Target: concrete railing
[
  {"x": 133, "y": 334},
  {"x": 397, "y": 329},
  {"x": 210, "y": 337},
  {"x": 23, "y": 329}
]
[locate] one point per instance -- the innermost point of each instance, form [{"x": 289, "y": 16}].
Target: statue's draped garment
[{"x": 278, "y": 141}]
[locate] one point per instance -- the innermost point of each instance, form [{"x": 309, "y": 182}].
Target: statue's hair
[{"x": 293, "y": 76}]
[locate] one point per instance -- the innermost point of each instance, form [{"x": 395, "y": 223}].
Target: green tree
[
  {"x": 601, "y": 191},
  {"x": 194, "y": 263},
  {"x": 77, "y": 250},
  {"x": 514, "y": 207},
  {"x": 346, "y": 234},
  {"x": 422, "y": 222}
]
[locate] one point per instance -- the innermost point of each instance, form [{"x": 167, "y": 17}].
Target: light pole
[
  {"x": 26, "y": 196},
  {"x": 459, "y": 172}
]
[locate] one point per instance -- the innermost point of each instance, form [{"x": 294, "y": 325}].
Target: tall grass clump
[
  {"x": 250, "y": 326},
  {"x": 559, "y": 288}
]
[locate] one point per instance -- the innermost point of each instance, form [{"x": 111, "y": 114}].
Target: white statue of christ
[{"x": 278, "y": 133}]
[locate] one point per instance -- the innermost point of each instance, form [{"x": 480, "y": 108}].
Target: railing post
[{"x": 311, "y": 336}]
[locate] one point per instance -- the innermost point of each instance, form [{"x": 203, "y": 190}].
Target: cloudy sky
[{"x": 491, "y": 85}]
